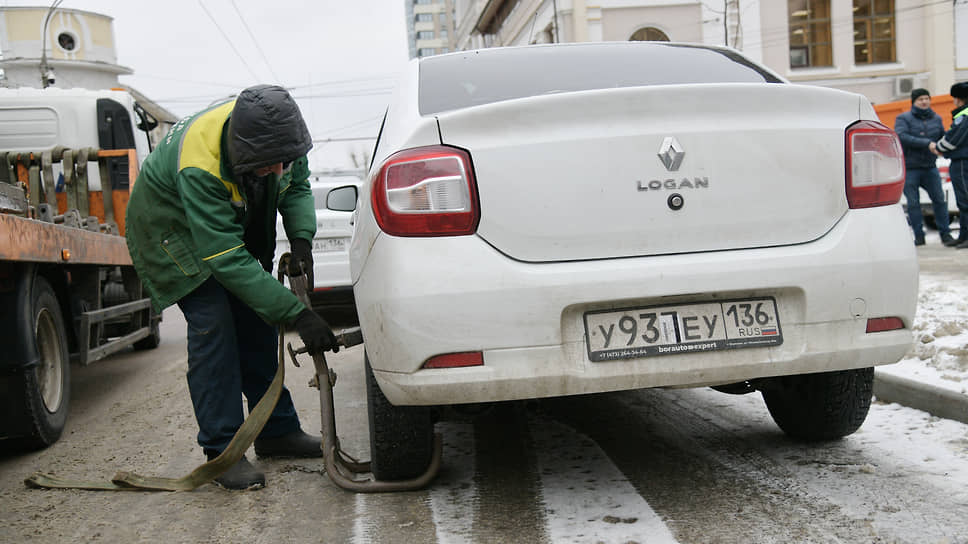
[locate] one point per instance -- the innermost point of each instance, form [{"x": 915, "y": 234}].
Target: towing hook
[{"x": 340, "y": 466}]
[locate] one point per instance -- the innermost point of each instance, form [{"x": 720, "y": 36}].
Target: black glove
[
  {"x": 314, "y": 331},
  {"x": 301, "y": 253}
]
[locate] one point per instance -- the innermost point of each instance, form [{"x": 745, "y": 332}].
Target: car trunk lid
[{"x": 656, "y": 170}]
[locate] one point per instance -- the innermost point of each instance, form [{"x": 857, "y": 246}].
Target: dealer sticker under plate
[{"x": 682, "y": 328}]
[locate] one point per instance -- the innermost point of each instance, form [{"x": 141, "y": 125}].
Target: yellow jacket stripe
[{"x": 201, "y": 146}]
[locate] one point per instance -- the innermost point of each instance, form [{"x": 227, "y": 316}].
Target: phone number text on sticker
[{"x": 683, "y": 328}]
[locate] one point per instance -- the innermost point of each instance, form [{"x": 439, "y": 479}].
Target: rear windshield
[{"x": 459, "y": 80}]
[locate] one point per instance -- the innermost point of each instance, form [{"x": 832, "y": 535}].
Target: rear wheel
[
  {"x": 824, "y": 406},
  {"x": 43, "y": 388},
  {"x": 401, "y": 437}
]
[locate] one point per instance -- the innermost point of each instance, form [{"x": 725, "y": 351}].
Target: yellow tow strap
[{"x": 129, "y": 481}]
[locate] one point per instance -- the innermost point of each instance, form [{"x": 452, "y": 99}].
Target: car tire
[
  {"x": 818, "y": 407},
  {"x": 42, "y": 390},
  {"x": 401, "y": 437}
]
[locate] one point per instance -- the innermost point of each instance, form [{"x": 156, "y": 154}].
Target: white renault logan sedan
[{"x": 556, "y": 220}]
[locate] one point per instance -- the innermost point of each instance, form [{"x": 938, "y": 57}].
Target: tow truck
[{"x": 68, "y": 290}]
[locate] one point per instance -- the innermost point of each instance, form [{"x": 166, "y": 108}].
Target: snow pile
[{"x": 939, "y": 354}]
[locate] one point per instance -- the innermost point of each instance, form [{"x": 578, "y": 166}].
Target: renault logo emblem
[{"x": 671, "y": 153}]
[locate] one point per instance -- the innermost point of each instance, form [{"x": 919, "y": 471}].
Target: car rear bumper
[{"x": 421, "y": 297}]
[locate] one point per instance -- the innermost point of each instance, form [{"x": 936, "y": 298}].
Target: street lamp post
[{"x": 46, "y": 72}]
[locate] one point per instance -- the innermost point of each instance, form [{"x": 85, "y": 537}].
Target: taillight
[
  {"x": 426, "y": 191},
  {"x": 875, "y": 165}
]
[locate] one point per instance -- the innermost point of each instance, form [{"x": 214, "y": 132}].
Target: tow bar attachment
[{"x": 340, "y": 466}]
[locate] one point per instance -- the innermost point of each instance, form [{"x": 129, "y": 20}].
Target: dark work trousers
[
  {"x": 958, "y": 170},
  {"x": 231, "y": 352},
  {"x": 931, "y": 181}
]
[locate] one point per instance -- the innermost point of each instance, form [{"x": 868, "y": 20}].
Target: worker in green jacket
[{"x": 201, "y": 232}]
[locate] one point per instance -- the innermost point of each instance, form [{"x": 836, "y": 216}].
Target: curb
[{"x": 934, "y": 400}]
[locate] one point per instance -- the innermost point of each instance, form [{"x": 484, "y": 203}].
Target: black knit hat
[
  {"x": 918, "y": 93},
  {"x": 960, "y": 90}
]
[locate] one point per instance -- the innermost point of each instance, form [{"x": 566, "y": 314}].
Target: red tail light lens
[
  {"x": 875, "y": 165},
  {"x": 426, "y": 191}
]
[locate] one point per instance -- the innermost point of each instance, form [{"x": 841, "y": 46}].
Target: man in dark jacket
[
  {"x": 201, "y": 233},
  {"x": 918, "y": 129},
  {"x": 954, "y": 145}
]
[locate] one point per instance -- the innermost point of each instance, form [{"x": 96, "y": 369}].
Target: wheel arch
[
  {"x": 57, "y": 277},
  {"x": 17, "y": 286}
]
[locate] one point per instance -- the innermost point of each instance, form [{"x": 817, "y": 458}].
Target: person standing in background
[
  {"x": 918, "y": 130},
  {"x": 954, "y": 145}
]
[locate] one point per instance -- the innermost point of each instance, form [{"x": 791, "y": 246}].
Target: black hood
[{"x": 265, "y": 127}]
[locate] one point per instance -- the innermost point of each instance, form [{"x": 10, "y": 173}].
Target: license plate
[
  {"x": 326, "y": 245},
  {"x": 682, "y": 328}
]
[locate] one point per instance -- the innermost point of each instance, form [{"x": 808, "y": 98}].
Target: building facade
[
  {"x": 430, "y": 27},
  {"x": 879, "y": 48},
  {"x": 66, "y": 48},
  {"x": 60, "y": 48}
]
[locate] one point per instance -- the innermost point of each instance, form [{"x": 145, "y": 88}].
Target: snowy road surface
[
  {"x": 662, "y": 466},
  {"x": 653, "y": 466}
]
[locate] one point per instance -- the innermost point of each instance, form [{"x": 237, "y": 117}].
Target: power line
[
  {"x": 344, "y": 81},
  {"x": 255, "y": 42},
  {"x": 354, "y": 125},
  {"x": 209, "y": 97},
  {"x": 350, "y": 139},
  {"x": 358, "y": 91},
  {"x": 369, "y": 92},
  {"x": 192, "y": 81},
  {"x": 227, "y": 40}
]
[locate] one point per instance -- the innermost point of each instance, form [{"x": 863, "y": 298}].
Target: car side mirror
[{"x": 342, "y": 199}]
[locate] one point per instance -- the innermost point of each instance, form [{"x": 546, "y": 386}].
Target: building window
[
  {"x": 425, "y": 35},
  {"x": 810, "y": 42},
  {"x": 874, "y": 31},
  {"x": 67, "y": 41},
  {"x": 649, "y": 34},
  {"x": 443, "y": 33},
  {"x": 423, "y": 2},
  {"x": 426, "y": 51},
  {"x": 425, "y": 17}
]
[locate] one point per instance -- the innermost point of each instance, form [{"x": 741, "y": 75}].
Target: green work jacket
[{"x": 186, "y": 216}]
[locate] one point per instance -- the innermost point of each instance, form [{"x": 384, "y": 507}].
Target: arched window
[{"x": 649, "y": 34}]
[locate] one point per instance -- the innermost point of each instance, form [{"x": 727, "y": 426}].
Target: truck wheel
[
  {"x": 401, "y": 437},
  {"x": 824, "y": 406},
  {"x": 45, "y": 387}
]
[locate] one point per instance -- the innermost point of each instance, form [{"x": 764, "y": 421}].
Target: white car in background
[
  {"x": 335, "y": 195},
  {"x": 563, "y": 219}
]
